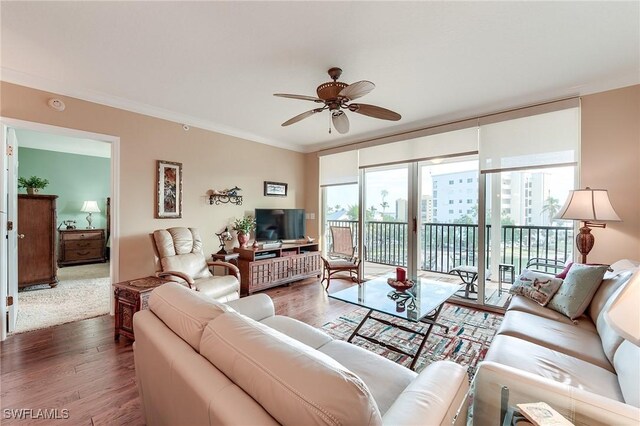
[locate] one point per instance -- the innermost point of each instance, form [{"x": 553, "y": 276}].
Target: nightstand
[{"x": 81, "y": 246}]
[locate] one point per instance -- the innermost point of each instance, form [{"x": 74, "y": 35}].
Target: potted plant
[
  {"x": 33, "y": 185},
  {"x": 244, "y": 227}
]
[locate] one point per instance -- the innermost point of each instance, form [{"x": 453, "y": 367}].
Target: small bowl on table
[{"x": 400, "y": 286}]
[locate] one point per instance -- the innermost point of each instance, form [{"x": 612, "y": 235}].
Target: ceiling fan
[{"x": 336, "y": 97}]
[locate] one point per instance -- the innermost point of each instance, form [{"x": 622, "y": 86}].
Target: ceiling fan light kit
[{"x": 336, "y": 97}]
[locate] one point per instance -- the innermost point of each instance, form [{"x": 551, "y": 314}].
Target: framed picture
[
  {"x": 169, "y": 190},
  {"x": 275, "y": 189}
]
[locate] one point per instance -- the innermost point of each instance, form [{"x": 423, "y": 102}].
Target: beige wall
[
  {"x": 610, "y": 159},
  {"x": 210, "y": 161}
]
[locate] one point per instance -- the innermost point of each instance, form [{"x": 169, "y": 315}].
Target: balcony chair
[
  {"x": 341, "y": 257},
  {"x": 179, "y": 257},
  {"x": 545, "y": 265}
]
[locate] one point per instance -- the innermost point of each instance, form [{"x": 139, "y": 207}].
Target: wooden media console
[{"x": 262, "y": 268}]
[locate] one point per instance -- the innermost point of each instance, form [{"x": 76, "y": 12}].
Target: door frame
[{"x": 114, "y": 141}]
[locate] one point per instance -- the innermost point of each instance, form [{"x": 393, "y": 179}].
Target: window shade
[
  {"x": 538, "y": 140},
  {"x": 433, "y": 146},
  {"x": 339, "y": 169}
]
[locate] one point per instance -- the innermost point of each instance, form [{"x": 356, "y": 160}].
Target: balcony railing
[{"x": 444, "y": 246}]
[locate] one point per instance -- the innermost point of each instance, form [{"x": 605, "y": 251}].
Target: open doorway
[
  {"x": 63, "y": 246},
  {"x": 65, "y": 238}
]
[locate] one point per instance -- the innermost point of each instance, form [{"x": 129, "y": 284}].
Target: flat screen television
[{"x": 280, "y": 224}]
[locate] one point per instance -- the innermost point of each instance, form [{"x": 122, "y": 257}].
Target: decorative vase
[
  {"x": 243, "y": 239},
  {"x": 32, "y": 191}
]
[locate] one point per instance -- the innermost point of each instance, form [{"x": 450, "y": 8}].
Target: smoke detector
[{"x": 56, "y": 104}]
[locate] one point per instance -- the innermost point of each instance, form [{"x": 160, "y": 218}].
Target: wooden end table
[
  {"x": 227, "y": 257},
  {"x": 130, "y": 297}
]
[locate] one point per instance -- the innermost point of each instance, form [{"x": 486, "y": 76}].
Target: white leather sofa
[
  {"x": 200, "y": 362},
  {"x": 584, "y": 369}
]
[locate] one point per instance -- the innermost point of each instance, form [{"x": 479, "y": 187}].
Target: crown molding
[{"x": 58, "y": 88}]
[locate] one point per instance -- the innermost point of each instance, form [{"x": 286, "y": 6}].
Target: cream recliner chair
[{"x": 180, "y": 257}]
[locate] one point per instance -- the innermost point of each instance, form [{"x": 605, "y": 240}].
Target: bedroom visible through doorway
[{"x": 63, "y": 230}]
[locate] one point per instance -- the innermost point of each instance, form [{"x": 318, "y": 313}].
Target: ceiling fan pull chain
[{"x": 329, "y": 123}]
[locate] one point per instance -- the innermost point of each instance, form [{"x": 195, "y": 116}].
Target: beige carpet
[{"x": 83, "y": 292}]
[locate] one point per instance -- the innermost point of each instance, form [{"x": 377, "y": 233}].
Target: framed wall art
[
  {"x": 169, "y": 190},
  {"x": 275, "y": 189}
]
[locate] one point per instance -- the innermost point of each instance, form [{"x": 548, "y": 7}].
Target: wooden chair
[{"x": 341, "y": 257}]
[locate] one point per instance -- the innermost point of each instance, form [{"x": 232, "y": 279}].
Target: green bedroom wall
[{"x": 73, "y": 178}]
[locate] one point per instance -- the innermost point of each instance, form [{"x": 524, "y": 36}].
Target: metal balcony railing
[{"x": 444, "y": 246}]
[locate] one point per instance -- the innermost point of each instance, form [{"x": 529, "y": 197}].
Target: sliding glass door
[
  {"x": 386, "y": 219},
  {"x": 447, "y": 216},
  {"x": 522, "y": 230},
  {"x": 472, "y": 201},
  {"x": 340, "y": 207}
]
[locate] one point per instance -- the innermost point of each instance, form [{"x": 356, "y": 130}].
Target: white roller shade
[
  {"x": 458, "y": 142},
  {"x": 339, "y": 169},
  {"x": 540, "y": 140}
]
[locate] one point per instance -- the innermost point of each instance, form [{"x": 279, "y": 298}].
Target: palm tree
[
  {"x": 551, "y": 207},
  {"x": 384, "y": 193}
]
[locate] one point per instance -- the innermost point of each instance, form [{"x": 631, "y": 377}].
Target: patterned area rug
[
  {"x": 83, "y": 292},
  {"x": 470, "y": 334}
]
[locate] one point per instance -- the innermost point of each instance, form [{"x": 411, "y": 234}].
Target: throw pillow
[
  {"x": 537, "y": 286},
  {"x": 577, "y": 289},
  {"x": 562, "y": 275}
]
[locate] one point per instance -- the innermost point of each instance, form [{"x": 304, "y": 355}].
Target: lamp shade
[
  {"x": 588, "y": 205},
  {"x": 90, "y": 207},
  {"x": 623, "y": 315}
]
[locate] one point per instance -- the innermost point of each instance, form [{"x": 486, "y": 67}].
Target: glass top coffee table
[{"x": 422, "y": 303}]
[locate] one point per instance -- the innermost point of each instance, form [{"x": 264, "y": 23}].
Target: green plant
[
  {"x": 32, "y": 182},
  {"x": 244, "y": 225}
]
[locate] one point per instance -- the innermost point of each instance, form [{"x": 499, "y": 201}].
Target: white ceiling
[
  {"x": 60, "y": 143},
  {"x": 216, "y": 65}
]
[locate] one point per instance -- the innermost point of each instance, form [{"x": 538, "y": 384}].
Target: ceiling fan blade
[
  {"x": 357, "y": 89},
  {"x": 301, "y": 116},
  {"x": 301, "y": 97},
  {"x": 340, "y": 121},
  {"x": 375, "y": 112}
]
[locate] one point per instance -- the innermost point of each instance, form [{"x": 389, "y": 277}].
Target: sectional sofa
[
  {"x": 582, "y": 368},
  {"x": 200, "y": 362}
]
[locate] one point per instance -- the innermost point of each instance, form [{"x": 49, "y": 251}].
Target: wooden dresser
[
  {"x": 37, "y": 240},
  {"x": 265, "y": 268},
  {"x": 81, "y": 246}
]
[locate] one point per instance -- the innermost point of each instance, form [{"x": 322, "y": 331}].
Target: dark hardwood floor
[{"x": 80, "y": 368}]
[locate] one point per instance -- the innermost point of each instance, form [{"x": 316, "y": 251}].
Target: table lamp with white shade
[
  {"x": 591, "y": 206},
  {"x": 90, "y": 207}
]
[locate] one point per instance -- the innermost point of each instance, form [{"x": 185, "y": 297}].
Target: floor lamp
[{"x": 588, "y": 205}]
